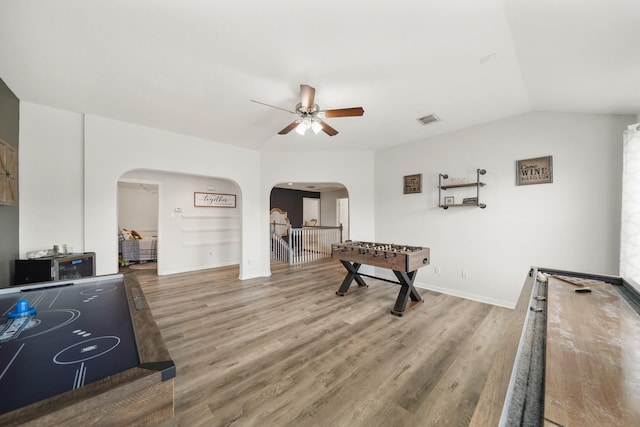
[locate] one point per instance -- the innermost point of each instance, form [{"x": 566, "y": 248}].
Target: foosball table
[{"x": 403, "y": 260}]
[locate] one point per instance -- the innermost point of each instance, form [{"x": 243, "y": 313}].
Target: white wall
[
  {"x": 113, "y": 148},
  {"x": 571, "y": 224},
  {"x": 138, "y": 207},
  {"x": 93, "y": 153},
  {"x": 51, "y": 179},
  {"x": 70, "y": 168},
  {"x": 193, "y": 238}
]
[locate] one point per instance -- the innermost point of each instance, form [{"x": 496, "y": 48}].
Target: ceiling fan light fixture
[
  {"x": 311, "y": 117},
  {"x": 305, "y": 124},
  {"x": 301, "y": 129}
]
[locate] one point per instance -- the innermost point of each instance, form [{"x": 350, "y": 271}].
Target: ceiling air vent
[{"x": 429, "y": 119}]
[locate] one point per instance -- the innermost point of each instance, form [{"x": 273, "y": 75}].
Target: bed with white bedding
[{"x": 134, "y": 247}]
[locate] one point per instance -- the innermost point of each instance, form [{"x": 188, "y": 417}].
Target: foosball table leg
[
  {"x": 407, "y": 291},
  {"x": 352, "y": 274}
]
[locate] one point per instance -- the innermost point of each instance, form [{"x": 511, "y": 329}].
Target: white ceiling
[{"x": 192, "y": 66}]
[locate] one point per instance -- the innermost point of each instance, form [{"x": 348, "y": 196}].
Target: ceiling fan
[{"x": 310, "y": 116}]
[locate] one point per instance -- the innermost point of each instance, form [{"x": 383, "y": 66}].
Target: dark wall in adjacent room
[
  {"x": 9, "y": 130},
  {"x": 290, "y": 201}
]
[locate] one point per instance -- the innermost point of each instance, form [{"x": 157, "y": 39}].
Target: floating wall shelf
[{"x": 444, "y": 184}]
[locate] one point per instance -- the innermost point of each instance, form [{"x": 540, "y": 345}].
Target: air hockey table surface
[{"x": 75, "y": 335}]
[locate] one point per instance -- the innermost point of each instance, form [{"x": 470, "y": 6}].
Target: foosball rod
[{"x": 381, "y": 278}]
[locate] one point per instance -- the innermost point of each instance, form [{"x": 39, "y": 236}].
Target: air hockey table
[{"x": 83, "y": 352}]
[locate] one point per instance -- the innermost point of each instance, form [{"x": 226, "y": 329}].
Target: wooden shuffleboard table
[
  {"x": 403, "y": 260},
  {"x": 82, "y": 352},
  {"x": 570, "y": 356}
]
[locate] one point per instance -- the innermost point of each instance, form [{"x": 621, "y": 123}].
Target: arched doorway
[
  {"x": 191, "y": 236},
  {"x": 311, "y": 214}
]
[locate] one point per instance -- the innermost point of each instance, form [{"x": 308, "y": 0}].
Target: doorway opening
[
  {"x": 305, "y": 221},
  {"x": 138, "y": 207}
]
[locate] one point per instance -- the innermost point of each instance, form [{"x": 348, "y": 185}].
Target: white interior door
[
  {"x": 342, "y": 216},
  {"x": 310, "y": 209}
]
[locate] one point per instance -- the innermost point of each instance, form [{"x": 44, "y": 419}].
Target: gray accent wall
[{"x": 9, "y": 237}]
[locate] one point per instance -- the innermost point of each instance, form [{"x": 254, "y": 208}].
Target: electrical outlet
[
  {"x": 465, "y": 274},
  {"x": 436, "y": 270}
]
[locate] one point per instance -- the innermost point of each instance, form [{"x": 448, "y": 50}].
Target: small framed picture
[
  {"x": 413, "y": 184},
  {"x": 449, "y": 200}
]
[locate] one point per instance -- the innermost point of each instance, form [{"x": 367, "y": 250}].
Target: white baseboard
[{"x": 448, "y": 291}]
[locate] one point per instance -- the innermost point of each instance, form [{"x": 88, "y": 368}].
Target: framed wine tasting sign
[{"x": 538, "y": 170}]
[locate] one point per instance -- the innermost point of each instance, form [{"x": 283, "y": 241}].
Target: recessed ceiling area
[
  {"x": 138, "y": 186},
  {"x": 319, "y": 187},
  {"x": 193, "y": 67}
]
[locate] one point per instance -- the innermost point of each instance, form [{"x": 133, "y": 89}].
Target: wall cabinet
[
  {"x": 8, "y": 174},
  {"x": 452, "y": 199}
]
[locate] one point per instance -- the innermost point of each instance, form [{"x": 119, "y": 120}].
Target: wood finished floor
[{"x": 286, "y": 351}]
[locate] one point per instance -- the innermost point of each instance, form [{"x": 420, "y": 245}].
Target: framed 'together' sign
[{"x": 214, "y": 200}]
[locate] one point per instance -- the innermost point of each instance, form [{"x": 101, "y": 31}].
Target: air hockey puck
[{"x": 22, "y": 309}]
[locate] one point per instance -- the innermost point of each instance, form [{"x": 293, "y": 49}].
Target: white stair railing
[
  {"x": 309, "y": 244},
  {"x": 279, "y": 248},
  {"x": 304, "y": 244}
]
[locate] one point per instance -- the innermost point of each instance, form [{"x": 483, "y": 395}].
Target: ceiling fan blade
[
  {"x": 289, "y": 128},
  {"x": 328, "y": 129},
  {"x": 273, "y": 106},
  {"x": 307, "y": 97},
  {"x": 344, "y": 112}
]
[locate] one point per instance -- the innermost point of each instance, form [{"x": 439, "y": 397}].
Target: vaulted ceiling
[{"x": 192, "y": 66}]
